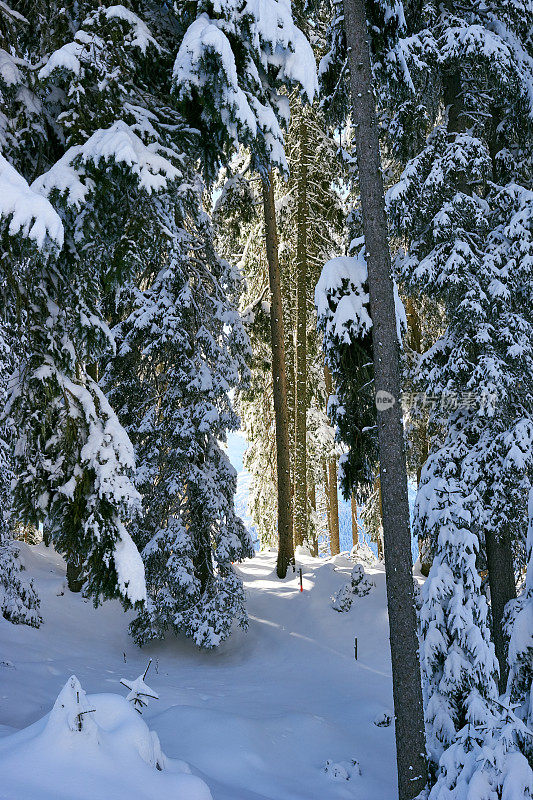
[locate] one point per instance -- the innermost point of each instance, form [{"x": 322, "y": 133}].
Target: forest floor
[{"x": 258, "y": 718}]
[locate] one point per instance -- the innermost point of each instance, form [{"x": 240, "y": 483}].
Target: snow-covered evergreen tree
[
  {"x": 462, "y": 208},
  {"x": 343, "y": 313},
  {"x": 458, "y": 661},
  {"x": 232, "y": 65},
  {"x": 182, "y": 349},
  {"x": 105, "y": 158},
  {"x": 18, "y": 600}
]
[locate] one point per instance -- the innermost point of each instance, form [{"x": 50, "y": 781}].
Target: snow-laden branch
[{"x": 29, "y": 213}]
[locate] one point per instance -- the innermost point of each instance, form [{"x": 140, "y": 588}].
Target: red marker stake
[{"x": 301, "y": 581}]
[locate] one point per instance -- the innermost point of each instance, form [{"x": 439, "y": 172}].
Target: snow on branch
[
  {"x": 117, "y": 143},
  {"x": 87, "y": 48},
  {"x": 341, "y": 299},
  {"x": 10, "y": 12},
  {"x": 30, "y": 214},
  {"x": 142, "y": 37},
  {"x": 106, "y": 458},
  {"x": 205, "y": 37},
  {"x": 343, "y": 303}
]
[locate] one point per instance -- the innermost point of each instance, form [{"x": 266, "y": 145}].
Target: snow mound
[
  {"x": 342, "y": 770},
  {"x": 92, "y": 747}
]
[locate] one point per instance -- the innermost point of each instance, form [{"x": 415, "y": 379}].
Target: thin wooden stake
[{"x": 147, "y": 668}]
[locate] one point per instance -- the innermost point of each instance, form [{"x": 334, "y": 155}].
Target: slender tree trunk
[
  {"x": 300, "y": 411},
  {"x": 502, "y": 589},
  {"x": 334, "y": 542},
  {"x": 334, "y": 536},
  {"x": 326, "y": 493},
  {"x": 355, "y": 524},
  {"x": 312, "y": 504},
  {"x": 407, "y": 689},
  {"x": 279, "y": 379}
]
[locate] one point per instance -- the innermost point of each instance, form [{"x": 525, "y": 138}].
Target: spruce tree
[
  {"x": 103, "y": 159},
  {"x": 181, "y": 349},
  {"x": 462, "y": 205}
]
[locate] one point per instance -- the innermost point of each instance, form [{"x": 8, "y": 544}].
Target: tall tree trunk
[
  {"x": 301, "y": 521},
  {"x": 407, "y": 689},
  {"x": 355, "y": 524},
  {"x": 502, "y": 589},
  {"x": 326, "y": 493},
  {"x": 334, "y": 541},
  {"x": 312, "y": 504},
  {"x": 279, "y": 380},
  {"x": 334, "y": 536},
  {"x": 312, "y": 494}
]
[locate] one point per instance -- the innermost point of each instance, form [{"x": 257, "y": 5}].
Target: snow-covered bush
[
  {"x": 358, "y": 586},
  {"x": 384, "y": 719},
  {"x": 139, "y": 691}
]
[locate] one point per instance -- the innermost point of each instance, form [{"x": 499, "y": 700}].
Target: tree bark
[
  {"x": 334, "y": 540},
  {"x": 326, "y": 493},
  {"x": 407, "y": 690},
  {"x": 355, "y": 524},
  {"x": 333, "y": 497},
  {"x": 279, "y": 381},
  {"x": 502, "y": 589},
  {"x": 300, "y": 410}
]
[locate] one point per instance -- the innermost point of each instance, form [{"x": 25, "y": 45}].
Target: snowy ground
[{"x": 257, "y": 719}]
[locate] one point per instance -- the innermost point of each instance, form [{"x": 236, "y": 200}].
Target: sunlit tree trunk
[
  {"x": 279, "y": 380},
  {"x": 301, "y": 515}
]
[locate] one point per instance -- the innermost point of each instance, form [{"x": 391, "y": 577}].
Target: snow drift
[{"x": 92, "y": 747}]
